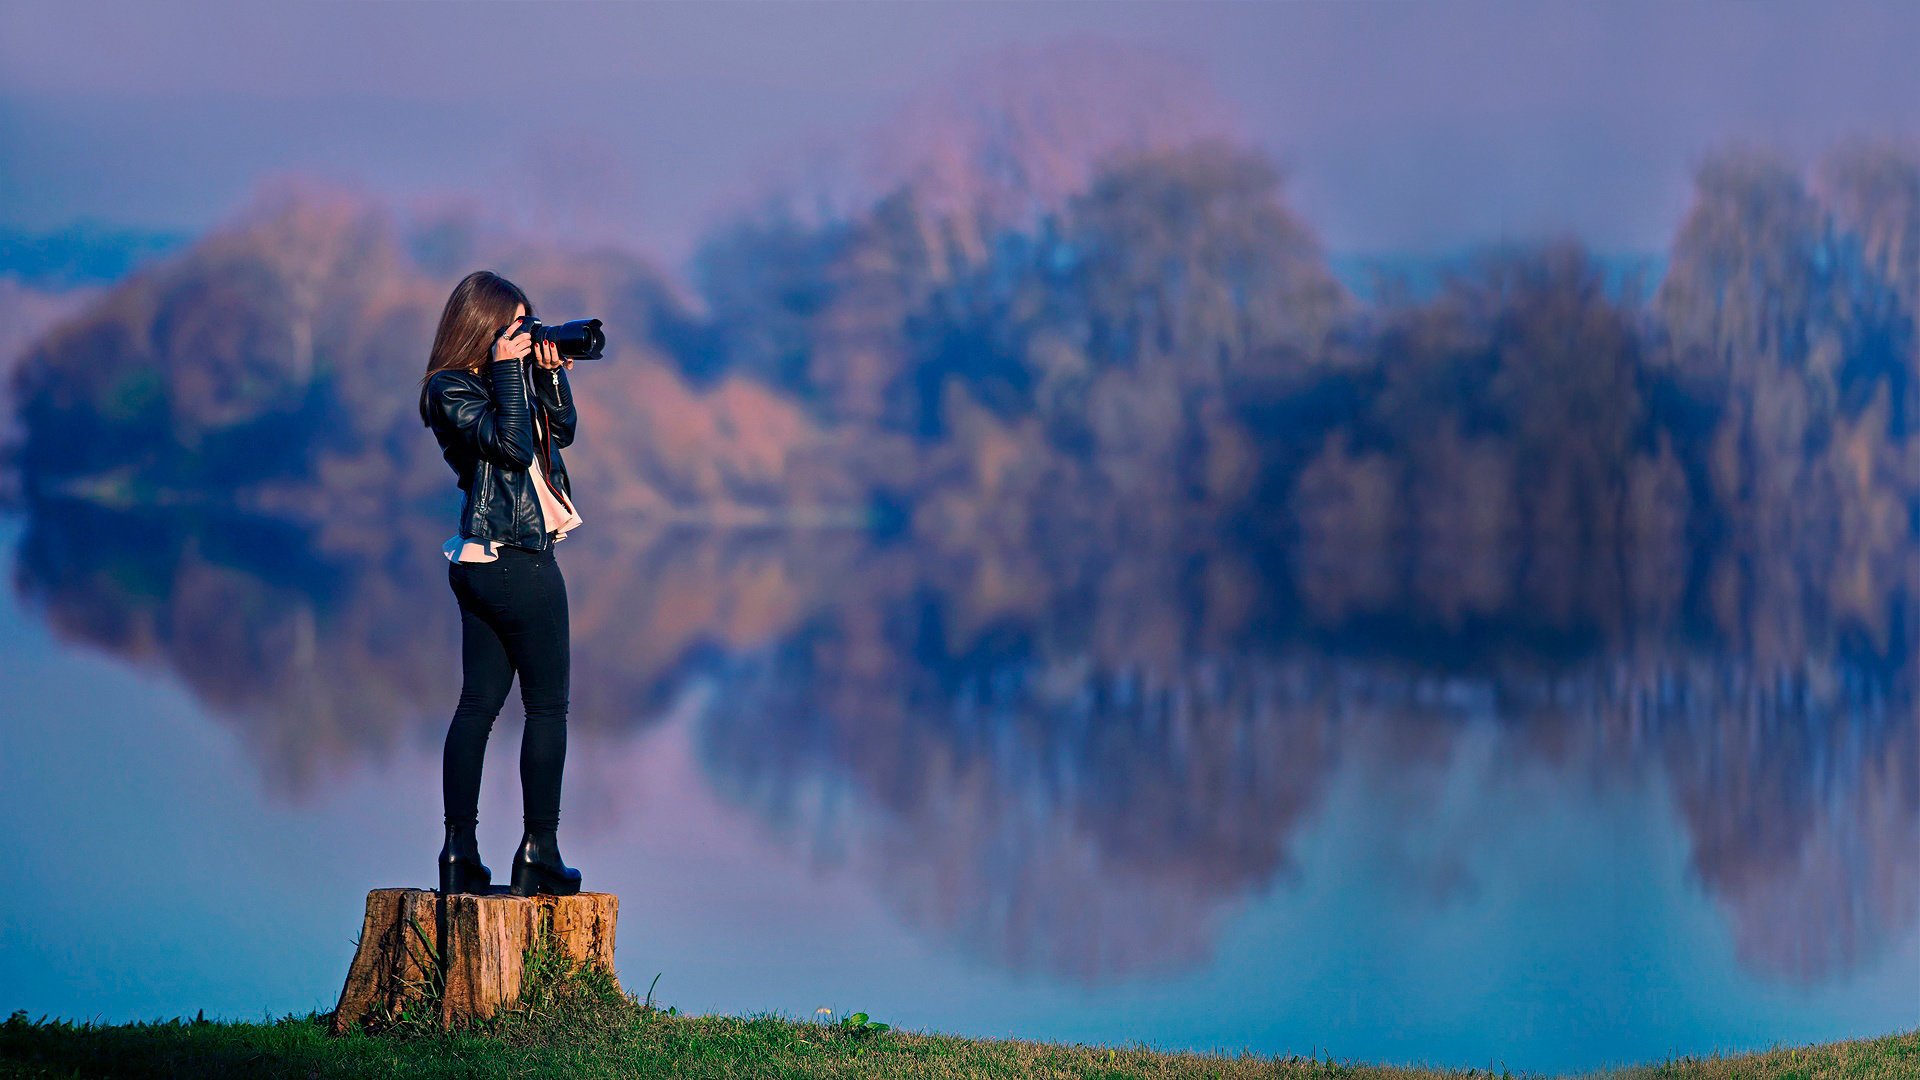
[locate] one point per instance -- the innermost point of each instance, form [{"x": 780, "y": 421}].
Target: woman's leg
[
  {"x": 532, "y": 627},
  {"x": 486, "y": 674},
  {"x": 537, "y": 639}
]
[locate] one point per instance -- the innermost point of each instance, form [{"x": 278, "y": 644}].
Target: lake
[{"x": 1197, "y": 799}]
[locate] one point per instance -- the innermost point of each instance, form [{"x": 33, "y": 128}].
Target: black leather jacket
[{"x": 485, "y": 427}]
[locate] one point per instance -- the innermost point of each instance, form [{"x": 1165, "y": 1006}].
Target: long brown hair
[{"x": 481, "y": 304}]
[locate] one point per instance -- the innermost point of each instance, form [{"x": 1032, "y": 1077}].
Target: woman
[{"x": 501, "y": 423}]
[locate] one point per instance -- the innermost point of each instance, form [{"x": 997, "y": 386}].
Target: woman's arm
[
  {"x": 496, "y": 428},
  {"x": 555, "y": 393}
]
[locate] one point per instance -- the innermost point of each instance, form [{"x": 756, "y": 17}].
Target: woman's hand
[
  {"x": 547, "y": 355},
  {"x": 512, "y": 343}
]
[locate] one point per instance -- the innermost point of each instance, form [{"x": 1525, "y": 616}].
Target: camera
[{"x": 580, "y": 339}]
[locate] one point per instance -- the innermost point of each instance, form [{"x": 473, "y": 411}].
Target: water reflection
[
  {"x": 1079, "y": 768},
  {"x": 1060, "y": 813}
]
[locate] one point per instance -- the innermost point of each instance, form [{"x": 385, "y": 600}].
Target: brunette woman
[{"x": 502, "y": 411}]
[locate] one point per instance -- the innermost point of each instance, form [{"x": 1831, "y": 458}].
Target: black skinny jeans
[{"x": 513, "y": 618}]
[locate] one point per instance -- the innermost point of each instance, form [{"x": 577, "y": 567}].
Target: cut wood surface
[{"x": 401, "y": 960}]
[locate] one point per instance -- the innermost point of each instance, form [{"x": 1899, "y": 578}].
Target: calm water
[{"x": 1186, "y": 799}]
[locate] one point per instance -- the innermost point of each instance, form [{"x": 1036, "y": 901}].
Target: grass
[
  {"x": 586, "y": 1038},
  {"x": 606, "y": 1039},
  {"x": 576, "y": 1022}
]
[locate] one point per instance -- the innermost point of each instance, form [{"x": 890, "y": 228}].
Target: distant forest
[{"x": 1160, "y": 353}]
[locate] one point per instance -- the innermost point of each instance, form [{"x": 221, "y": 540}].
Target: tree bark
[{"x": 401, "y": 960}]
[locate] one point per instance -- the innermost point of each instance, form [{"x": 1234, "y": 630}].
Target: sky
[{"x": 1399, "y": 126}]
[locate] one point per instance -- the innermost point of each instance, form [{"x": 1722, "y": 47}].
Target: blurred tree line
[
  {"x": 1163, "y": 351},
  {"x": 1169, "y": 346}
]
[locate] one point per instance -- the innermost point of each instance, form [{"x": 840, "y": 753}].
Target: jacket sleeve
[
  {"x": 495, "y": 427},
  {"x": 557, "y": 395}
]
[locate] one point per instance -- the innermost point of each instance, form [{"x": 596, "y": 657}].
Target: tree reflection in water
[{"x": 1081, "y": 771}]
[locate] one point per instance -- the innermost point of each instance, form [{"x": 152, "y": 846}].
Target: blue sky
[{"x": 1401, "y": 126}]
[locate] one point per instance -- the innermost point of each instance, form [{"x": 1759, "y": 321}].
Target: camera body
[{"x": 580, "y": 339}]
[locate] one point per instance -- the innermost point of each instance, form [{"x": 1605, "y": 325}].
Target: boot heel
[
  {"x": 458, "y": 877},
  {"x": 530, "y": 878}
]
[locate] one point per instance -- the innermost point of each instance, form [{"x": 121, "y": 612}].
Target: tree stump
[{"x": 401, "y": 959}]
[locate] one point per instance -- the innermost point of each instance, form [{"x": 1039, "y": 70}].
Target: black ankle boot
[
  {"x": 460, "y": 867},
  {"x": 537, "y": 866}
]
